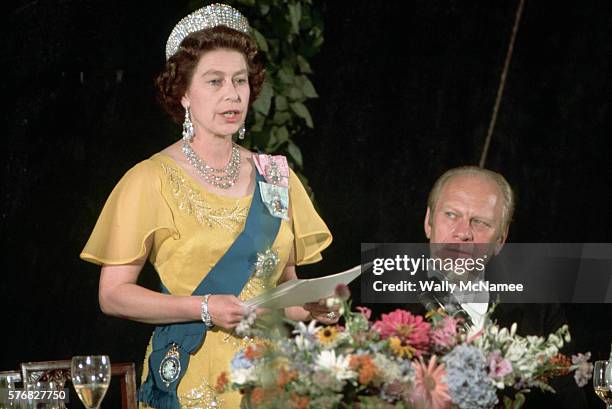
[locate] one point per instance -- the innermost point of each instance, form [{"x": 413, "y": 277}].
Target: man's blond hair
[{"x": 499, "y": 180}]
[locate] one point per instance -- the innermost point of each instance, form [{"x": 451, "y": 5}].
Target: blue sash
[{"x": 228, "y": 276}]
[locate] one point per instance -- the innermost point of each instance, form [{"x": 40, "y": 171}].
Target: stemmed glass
[
  {"x": 602, "y": 381},
  {"x": 44, "y": 400},
  {"x": 90, "y": 378}
]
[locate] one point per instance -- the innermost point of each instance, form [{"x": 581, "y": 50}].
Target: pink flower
[
  {"x": 429, "y": 390},
  {"x": 396, "y": 388},
  {"x": 584, "y": 369},
  {"x": 365, "y": 311},
  {"x": 444, "y": 334},
  {"x": 498, "y": 365},
  {"x": 410, "y": 329}
]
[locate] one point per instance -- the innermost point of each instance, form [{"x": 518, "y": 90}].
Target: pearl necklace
[{"x": 224, "y": 177}]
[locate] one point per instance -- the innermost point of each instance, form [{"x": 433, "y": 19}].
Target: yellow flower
[
  {"x": 401, "y": 348},
  {"x": 327, "y": 335},
  {"x": 439, "y": 313}
]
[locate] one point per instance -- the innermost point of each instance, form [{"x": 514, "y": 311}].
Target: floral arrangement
[{"x": 399, "y": 361}]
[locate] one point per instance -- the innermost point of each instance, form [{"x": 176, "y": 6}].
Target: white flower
[
  {"x": 241, "y": 376},
  {"x": 564, "y": 330},
  {"x": 337, "y": 365},
  {"x": 516, "y": 350},
  {"x": 390, "y": 370},
  {"x": 520, "y": 358},
  {"x": 535, "y": 341},
  {"x": 305, "y": 335},
  {"x": 247, "y": 321},
  {"x": 243, "y": 328},
  {"x": 331, "y": 301},
  {"x": 303, "y": 343},
  {"x": 550, "y": 351},
  {"x": 556, "y": 340},
  {"x": 310, "y": 330}
]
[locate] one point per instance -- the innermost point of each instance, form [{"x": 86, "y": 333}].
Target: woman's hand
[
  {"x": 322, "y": 313},
  {"x": 225, "y": 310}
]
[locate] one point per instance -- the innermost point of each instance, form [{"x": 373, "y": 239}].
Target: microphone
[{"x": 432, "y": 300}]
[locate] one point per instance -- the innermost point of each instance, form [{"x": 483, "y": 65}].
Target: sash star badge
[{"x": 266, "y": 263}]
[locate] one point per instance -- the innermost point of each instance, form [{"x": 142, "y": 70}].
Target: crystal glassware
[
  {"x": 90, "y": 377},
  {"x": 602, "y": 381},
  {"x": 44, "y": 395}
]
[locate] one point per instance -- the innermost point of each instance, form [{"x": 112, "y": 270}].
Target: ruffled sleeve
[
  {"x": 134, "y": 211},
  {"x": 311, "y": 234}
]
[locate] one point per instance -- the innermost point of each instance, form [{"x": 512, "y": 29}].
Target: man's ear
[{"x": 427, "y": 224}]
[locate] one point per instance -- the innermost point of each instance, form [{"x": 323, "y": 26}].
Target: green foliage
[
  {"x": 374, "y": 402},
  {"x": 516, "y": 403},
  {"x": 288, "y": 33}
]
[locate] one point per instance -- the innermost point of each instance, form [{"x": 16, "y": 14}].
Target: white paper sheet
[{"x": 302, "y": 291}]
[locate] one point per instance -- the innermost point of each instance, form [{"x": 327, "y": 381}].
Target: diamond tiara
[{"x": 206, "y": 17}]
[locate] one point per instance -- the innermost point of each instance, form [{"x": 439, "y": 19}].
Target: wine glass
[
  {"x": 46, "y": 395},
  {"x": 90, "y": 378},
  {"x": 602, "y": 381}
]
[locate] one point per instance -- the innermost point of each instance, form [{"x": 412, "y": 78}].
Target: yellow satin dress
[{"x": 191, "y": 229}]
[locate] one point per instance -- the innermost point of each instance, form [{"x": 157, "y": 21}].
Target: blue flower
[
  {"x": 241, "y": 362},
  {"x": 406, "y": 368},
  {"x": 468, "y": 382}
]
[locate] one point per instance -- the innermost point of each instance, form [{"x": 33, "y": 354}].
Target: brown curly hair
[{"x": 173, "y": 81}]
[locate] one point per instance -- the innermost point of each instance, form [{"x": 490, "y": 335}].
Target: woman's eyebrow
[{"x": 222, "y": 73}]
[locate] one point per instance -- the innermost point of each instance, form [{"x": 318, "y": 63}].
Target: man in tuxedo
[
  {"x": 470, "y": 205},
  {"x": 470, "y": 209}
]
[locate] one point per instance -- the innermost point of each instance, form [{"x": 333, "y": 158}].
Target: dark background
[{"x": 406, "y": 92}]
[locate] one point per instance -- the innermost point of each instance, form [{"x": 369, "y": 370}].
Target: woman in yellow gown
[{"x": 186, "y": 207}]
